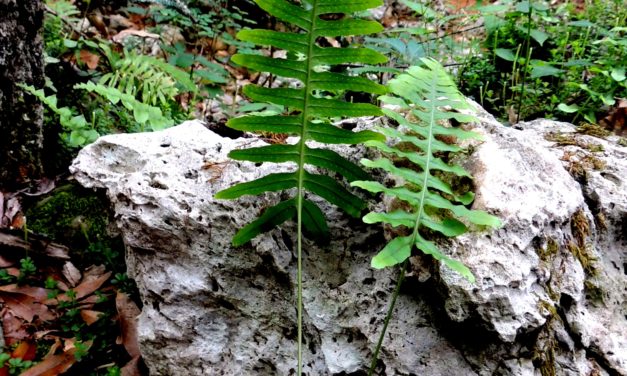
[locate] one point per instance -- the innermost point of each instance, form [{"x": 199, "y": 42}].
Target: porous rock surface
[{"x": 550, "y": 296}]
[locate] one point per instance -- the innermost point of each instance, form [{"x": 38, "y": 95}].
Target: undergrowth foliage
[
  {"x": 308, "y": 117},
  {"x": 425, "y": 92}
]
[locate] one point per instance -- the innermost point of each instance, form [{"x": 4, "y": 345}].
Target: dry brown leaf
[
  {"x": 90, "y": 284},
  {"x": 90, "y": 59},
  {"x": 5, "y": 263},
  {"x": 90, "y": 316},
  {"x": 127, "y": 314},
  {"x": 71, "y": 273},
  {"x": 38, "y": 293},
  {"x": 26, "y": 307},
  {"x": 54, "y": 365},
  {"x": 13, "y": 327},
  {"x": 131, "y": 368},
  {"x": 15, "y": 272},
  {"x": 18, "y": 222}
]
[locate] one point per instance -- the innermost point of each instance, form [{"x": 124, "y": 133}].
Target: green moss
[
  {"x": 580, "y": 227},
  {"x": 622, "y": 141},
  {"x": 543, "y": 355},
  {"x": 593, "y": 130},
  {"x": 551, "y": 250},
  {"x": 561, "y": 139},
  {"x": 71, "y": 215},
  {"x": 585, "y": 258},
  {"x": 593, "y": 291}
]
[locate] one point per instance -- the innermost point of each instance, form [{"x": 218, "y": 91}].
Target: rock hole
[
  {"x": 625, "y": 268},
  {"x": 157, "y": 185},
  {"x": 165, "y": 144},
  {"x": 289, "y": 333},
  {"x": 215, "y": 286},
  {"x": 566, "y": 302},
  {"x": 191, "y": 174},
  {"x": 368, "y": 281},
  {"x": 312, "y": 348}
]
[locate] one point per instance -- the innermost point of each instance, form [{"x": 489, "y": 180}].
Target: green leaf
[
  {"x": 314, "y": 224},
  {"x": 395, "y": 252},
  {"x": 270, "y": 218},
  {"x": 618, "y": 74},
  {"x": 269, "y": 183},
  {"x": 543, "y": 69},
  {"x": 569, "y": 109},
  {"x": 505, "y": 54},
  {"x": 332, "y": 191}
]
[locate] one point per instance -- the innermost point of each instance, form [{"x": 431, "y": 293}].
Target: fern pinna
[{"x": 308, "y": 63}]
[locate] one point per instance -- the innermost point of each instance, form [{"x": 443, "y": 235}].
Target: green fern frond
[
  {"x": 311, "y": 122},
  {"x": 77, "y": 131},
  {"x": 146, "y": 77},
  {"x": 431, "y": 97},
  {"x": 144, "y": 114}
]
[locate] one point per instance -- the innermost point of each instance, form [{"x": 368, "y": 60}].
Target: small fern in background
[
  {"x": 308, "y": 117},
  {"x": 146, "y": 77},
  {"x": 431, "y": 99}
]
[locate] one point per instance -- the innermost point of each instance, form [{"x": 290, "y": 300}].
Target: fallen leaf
[
  {"x": 71, "y": 273},
  {"x": 88, "y": 286},
  {"x": 2, "y": 224},
  {"x": 5, "y": 263},
  {"x": 38, "y": 293},
  {"x": 127, "y": 313},
  {"x": 13, "y": 327},
  {"x": 90, "y": 316},
  {"x": 90, "y": 59},
  {"x": 42, "y": 187},
  {"x": 131, "y": 368},
  {"x": 52, "y": 365},
  {"x": 18, "y": 222},
  {"x": 26, "y": 307},
  {"x": 25, "y": 350}
]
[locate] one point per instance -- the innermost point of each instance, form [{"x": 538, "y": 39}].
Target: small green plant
[
  {"x": 309, "y": 119},
  {"x": 428, "y": 201}
]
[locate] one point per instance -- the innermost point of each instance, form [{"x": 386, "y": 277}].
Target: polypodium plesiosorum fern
[
  {"x": 431, "y": 99},
  {"x": 309, "y": 117}
]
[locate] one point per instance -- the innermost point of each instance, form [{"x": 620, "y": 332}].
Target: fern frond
[
  {"x": 144, "y": 114},
  {"x": 432, "y": 98},
  {"x": 78, "y": 132},
  {"x": 312, "y": 122},
  {"x": 151, "y": 79}
]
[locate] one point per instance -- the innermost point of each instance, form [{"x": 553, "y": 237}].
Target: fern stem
[
  {"x": 301, "y": 190},
  {"x": 388, "y": 317}
]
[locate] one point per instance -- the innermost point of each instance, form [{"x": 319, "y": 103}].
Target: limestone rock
[{"x": 550, "y": 291}]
